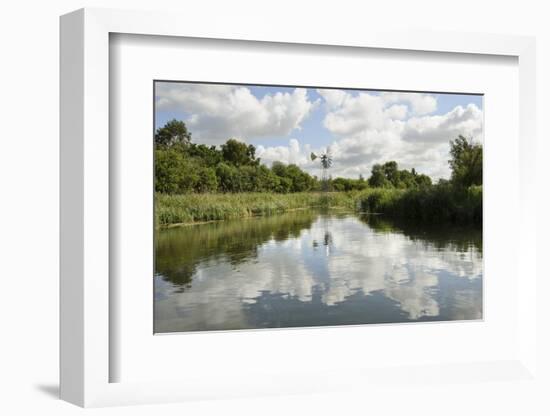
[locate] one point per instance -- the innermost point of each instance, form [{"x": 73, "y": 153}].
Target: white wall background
[{"x": 29, "y": 206}]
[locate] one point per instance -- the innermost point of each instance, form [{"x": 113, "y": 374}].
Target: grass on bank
[
  {"x": 431, "y": 204},
  {"x": 189, "y": 208}
]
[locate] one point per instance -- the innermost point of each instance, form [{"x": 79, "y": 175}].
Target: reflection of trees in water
[
  {"x": 439, "y": 236},
  {"x": 273, "y": 271},
  {"x": 180, "y": 250}
]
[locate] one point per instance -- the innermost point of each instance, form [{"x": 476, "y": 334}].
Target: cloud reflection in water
[{"x": 308, "y": 269}]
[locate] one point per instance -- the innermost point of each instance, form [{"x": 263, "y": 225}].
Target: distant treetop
[{"x": 173, "y": 132}]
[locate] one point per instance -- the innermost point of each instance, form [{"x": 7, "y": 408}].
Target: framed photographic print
[
  {"x": 282, "y": 206},
  {"x": 274, "y": 213}
]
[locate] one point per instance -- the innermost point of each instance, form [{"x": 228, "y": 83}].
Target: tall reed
[{"x": 440, "y": 203}]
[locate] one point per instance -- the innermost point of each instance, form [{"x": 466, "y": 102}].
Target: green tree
[
  {"x": 341, "y": 184},
  {"x": 378, "y": 177},
  {"x": 229, "y": 179},
  {"x": 279, "y": 169},
  {"x": 267, "y": 181},
  {"x": 207, "y": 180},
  {"x": 248, "y": 178},
  {"x": 239, "y": 154},
  {"x": 423, "y": 181},
  {"x": 301, "y": 181},
  {"x": 285, "y": 185},
  {"x": 169, "y": 165},
  {"x": 291, "y": 178},
  {"x": 466, "y": 162},
  {"x": 391, "y": 173},
  {"x": 405, "y": 179},
  {"x": 209, "y": 155},
  {"x": 173, "y": 132}
]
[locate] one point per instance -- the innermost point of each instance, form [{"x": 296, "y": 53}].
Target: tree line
[{"x": 182, "y": 166}]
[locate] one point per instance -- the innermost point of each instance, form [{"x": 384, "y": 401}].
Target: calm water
[{"x": 309, "y": 269}]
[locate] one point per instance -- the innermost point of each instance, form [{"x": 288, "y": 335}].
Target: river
[{"x": 308, "y": 268}]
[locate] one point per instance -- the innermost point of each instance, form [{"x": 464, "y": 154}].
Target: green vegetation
[
  {"x": 389, "y": 176},
  {"x": 183, "y": 167},
  {"x": 439, "y": 203},
  {"x": 435, "y": 204},
  {"x": 466, "y": 162},
  {"x": 177, "y": 209},
  {"x": 198, "y": 183}
]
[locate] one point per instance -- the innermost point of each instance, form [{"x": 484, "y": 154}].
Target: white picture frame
[{"x": 85, "y": 213}]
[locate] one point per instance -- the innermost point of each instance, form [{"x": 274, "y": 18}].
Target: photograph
[{"x": 308, "y": 206}]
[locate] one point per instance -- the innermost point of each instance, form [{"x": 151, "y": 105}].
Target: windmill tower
[{"x": 326, "y": 163}]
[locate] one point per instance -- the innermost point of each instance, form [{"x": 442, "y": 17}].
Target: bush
[
  {"x": 169, "y": 166},
  {"x": 438, "y": 203}
]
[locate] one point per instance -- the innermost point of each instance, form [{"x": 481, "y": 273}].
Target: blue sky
[{"x": 361, "y": 127}]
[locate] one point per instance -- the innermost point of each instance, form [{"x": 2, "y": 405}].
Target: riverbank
[
  {"x": 435, "y": 204},
  {"x": 431, "y": 204},
  {"x": 191, "y": 208}
]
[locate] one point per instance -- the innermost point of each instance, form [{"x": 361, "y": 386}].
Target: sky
[{"x": 358, "y": 127}]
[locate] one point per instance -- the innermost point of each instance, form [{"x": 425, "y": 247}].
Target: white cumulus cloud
[
  {"x": 219, "y": 112},
  {"x": 461, "y": 120},
  {"x": 291, "y": 154},
  {"x": 370, "y": 128},
  {"x": 420, "y": 103}
]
